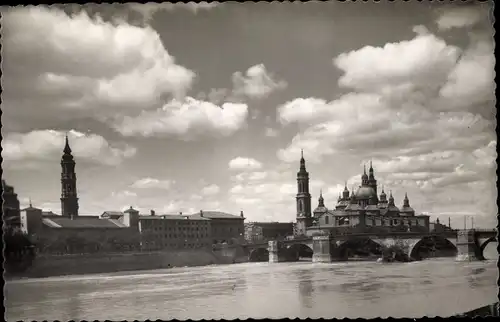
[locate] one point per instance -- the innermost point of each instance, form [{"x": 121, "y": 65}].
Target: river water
[{"x": 436, "y": 287}]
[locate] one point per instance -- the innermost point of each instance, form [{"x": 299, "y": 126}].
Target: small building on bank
[
  {"x": 263, "y": 231},
  {"x": 224, "y": 227}
]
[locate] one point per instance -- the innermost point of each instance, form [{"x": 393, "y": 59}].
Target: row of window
[
  {"x": 180, "y": 236},
  {"x": 174, "y": 245},
  {"x": 177, "y": 228},
  {"x": 227, "y": 229},
  {"x": 169, "y": 222}
]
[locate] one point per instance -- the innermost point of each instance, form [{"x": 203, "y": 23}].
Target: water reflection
[
  {"x": 306, "y": 287},
  {"x": 260, "y": 290}
]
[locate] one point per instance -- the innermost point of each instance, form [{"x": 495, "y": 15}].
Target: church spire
[
  {"x": 321, "y": 201},
  {"x": 372, "y": 176},
  {"x": 364, "y": 177},
  {"x": 391, "y": 199},
  {"x": 345, "y": 194},
  {"x": 67, "y": 156},
  {"x": 67, "y": 149},
  {"x": 69, "y": 197},
  {"x": 406, "y": 201},
  {"x": 302, "y": 161}
]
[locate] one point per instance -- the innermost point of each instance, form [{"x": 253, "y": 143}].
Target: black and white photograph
[{"x": 235, "y": 160}]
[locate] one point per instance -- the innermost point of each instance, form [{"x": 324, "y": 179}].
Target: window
[{"x": 327, "y": 220}]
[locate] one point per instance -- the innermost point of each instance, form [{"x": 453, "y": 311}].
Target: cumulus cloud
[
  {"x": 48, "y": 145},
  {"x": 152, "y": 183},
  {"x": 123, "y": 194},
  {"x": 210, "y": 190},
  {"x": 461, "y": 17},
  {"x": 186, "y": 118},
  {"x": 278, "y": 188},
  {"x": 241, "y": 163},
  {"x": 415, "y": 110},
  {"x": 425, "y": 58},
  {"x": 467, "y": 92},
  {"x": 418, "y": 121},
  {"x": 83, "y": 63},
  {"x": 256, "y": 83},
  {"x": 147, "y": 10}
]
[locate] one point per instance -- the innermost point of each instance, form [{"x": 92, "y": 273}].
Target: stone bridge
[{"x": 469, "y": 245}]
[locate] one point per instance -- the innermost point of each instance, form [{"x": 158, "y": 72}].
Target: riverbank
[
  {"x": 488, "y": 310},
  {"x": 60, "y": 265}
]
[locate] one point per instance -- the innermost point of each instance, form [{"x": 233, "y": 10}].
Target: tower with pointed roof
[
  {"x": 364, "y": 177},
  {"x": 407, "y": 210},
  {"x": 372, "y": 182},
  {"x": 69, "y": 196},
  {"x": 303, "y": 198},
  {"x": 321, "y": 209}
]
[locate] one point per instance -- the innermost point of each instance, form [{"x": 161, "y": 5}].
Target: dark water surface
[{"x": 437, "y": 287}]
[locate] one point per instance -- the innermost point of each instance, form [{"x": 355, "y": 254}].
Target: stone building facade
[
  {"x": 174, "y": 232},
  {"x": 224, "y": 227}
]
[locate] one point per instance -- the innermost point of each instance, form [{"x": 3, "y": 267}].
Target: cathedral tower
[
  {"x": 69, "y": 198},
  {"x": 303, "y": 198}
]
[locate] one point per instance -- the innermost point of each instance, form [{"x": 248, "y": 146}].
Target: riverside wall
[{"x": 58, "y": 265}]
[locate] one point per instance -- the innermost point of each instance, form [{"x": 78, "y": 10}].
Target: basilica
[{"x": 362, "y": 210}]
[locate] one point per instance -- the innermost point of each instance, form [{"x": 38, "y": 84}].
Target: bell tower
[
  {"x": 69, "y": 198},
  {"x": 303, "y": 198}
]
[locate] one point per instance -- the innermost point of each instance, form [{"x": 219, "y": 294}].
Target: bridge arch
[
  {"x": 260, "y": 254},
  {"x": 359, "y": 247},
  {"x": 300, "y": 250},
  {"x": 427, "y": 247},
  {"x": 483, "y": 245}
]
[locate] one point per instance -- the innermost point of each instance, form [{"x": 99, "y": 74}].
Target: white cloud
[
  {"x": 41, "y": 145},
  {"x": 241, "y": 163},
  {"x": 467, "y": 92},
  {"x": 278, "y": 189},
  {"x": 460, "y": 17},
  {"x": 124, "y": 194},
  {"x": 82, "y": 64},
  {"x": 257, "y": 83},
  {"x": 210, "y": 190},
  {"x": 147, "y": 10},
  {"x": 186, "y": 118},
  {"x": 419, "y": 61},
  {"x": 417, "y": 112},
  {"x": 152, "y": 183}
]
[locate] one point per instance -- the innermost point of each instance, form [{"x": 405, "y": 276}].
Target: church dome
[
  {"x": 365, "y": 193},
  {"x": 320, "y": 209}
]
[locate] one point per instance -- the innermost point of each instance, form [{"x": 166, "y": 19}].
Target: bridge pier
[
  {"x": 321, "y": 249},
  {"x": 273, "y": 248},
  {"x": 467, "y": 248}
]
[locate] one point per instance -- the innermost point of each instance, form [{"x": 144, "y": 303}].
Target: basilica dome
[{"x": 365, "y": 193}]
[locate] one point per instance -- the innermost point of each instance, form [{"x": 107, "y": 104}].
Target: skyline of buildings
[{"x": 177, "y": 125}]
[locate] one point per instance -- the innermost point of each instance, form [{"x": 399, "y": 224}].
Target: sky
[{"x": 188, "y": 107}]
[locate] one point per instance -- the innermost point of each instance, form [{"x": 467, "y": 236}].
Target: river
[{"x": 435, "y": 287}]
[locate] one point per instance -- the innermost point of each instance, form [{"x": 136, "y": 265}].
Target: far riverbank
[{"x": 76, "y": 264}]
